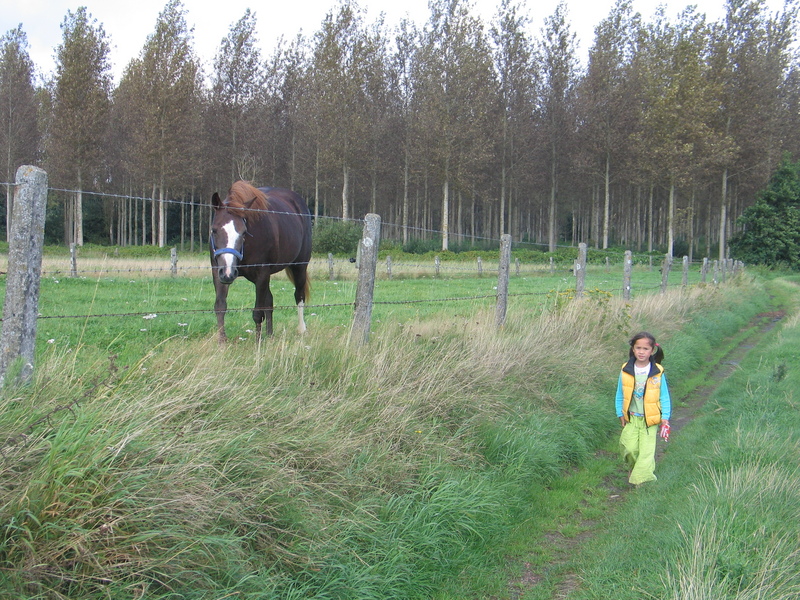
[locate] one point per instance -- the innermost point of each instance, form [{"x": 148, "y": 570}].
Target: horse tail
[{"x": 306, "y": 285}]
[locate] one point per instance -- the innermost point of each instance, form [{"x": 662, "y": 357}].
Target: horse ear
[
  {"x": 249, "y": 203},
  {"x": 215, "y": 201}
]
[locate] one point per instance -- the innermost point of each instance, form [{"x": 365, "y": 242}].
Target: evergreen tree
[{"x": 771, "y": 227}]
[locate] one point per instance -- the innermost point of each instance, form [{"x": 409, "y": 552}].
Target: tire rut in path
[{"x": 563, "y": 547}]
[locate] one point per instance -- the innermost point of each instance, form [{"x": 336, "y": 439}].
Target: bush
[{"x": 336, "y": 237}]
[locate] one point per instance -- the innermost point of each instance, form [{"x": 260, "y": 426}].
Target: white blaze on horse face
[{"x": 228, "y": 266}]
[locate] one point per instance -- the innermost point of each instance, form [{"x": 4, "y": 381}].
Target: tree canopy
[{"x": 454, "y": 130}]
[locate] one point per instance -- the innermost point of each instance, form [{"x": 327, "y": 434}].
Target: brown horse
[{"x": 257, "y": 232}]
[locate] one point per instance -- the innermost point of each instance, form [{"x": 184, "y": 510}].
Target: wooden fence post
[
  {"x": 516, "y": 263},
  {"x": 665, "y": 268},
  {"x": 173, "y": 261},
  {"x": 552, "y": 266},
  {"x": 480, "y": 267},
  {"x": 580, "y": 270},
  {"x": 685, "y": 278},
  {"x": 330, "y": 266},
  {"x": 367, "y": 266},
  {"x": 26, "y": 239},
  {"x": 716, "y": 272},
  {"x": 73, "y": 260},
  {"x": 704, "y": 270},
  {"x": 436, "y": 263},
  {"x": 626, "y": 275},
  {"x": 502, "y": 280},
  {"x": 389, "y": 266}
]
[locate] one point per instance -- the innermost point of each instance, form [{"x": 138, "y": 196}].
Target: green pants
[{"x": 638, "y": 447}]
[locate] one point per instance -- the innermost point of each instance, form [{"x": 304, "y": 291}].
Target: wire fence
[{"x": 332, "y": 268}]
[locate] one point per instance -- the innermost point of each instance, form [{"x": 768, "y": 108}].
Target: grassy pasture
[{"x": 125, "y": 306}]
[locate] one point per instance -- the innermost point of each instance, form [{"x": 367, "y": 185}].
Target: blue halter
[{"x": 216, "y": 252}]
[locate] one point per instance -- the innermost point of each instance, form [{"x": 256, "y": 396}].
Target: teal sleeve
[
  {"x": 665, "y": 399},
  {"x": 619, "y": 396}
]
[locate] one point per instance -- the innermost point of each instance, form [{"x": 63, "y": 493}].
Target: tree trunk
[
  {"x": 607, "y": 201},
  {"x": 723, "y": 214},
  {"x": 551, "y": 221},
  {"x": 345, "y": 191},
  {"x": 670, "y": 216}
]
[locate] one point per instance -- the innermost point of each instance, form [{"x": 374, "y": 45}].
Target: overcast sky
[{"x": 128, "y": 23}]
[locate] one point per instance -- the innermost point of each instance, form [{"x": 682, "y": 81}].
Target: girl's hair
[{"x": 657, "y": 356}]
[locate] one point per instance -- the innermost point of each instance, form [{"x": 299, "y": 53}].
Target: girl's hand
[
  {"x": 664, "y": 433},
  {"x": 622, "y": 421}
]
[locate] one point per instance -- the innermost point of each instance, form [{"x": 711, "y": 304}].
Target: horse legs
[
  {"x": 263, "y": 308},
  {"x": 221, "y": 307}
]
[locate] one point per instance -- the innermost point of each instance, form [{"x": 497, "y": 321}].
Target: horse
[{"x": 256, "y": 232}]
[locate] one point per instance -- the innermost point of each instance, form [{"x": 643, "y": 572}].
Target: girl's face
[{"x": 642, "y": 350}]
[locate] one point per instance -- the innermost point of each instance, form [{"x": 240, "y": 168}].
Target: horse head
[{"x": 227, "y": 240}]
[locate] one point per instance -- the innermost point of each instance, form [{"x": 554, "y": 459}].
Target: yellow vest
[{"x": 652, "y": 392}]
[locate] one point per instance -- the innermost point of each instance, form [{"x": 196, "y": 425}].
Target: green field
[{"x": 126, "y": 307}]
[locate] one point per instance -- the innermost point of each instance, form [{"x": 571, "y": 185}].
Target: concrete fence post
[
  {"x": 26, "y": 238},
  {"x": 502, "y": 280},
  {"x": 365, "y": 288}
]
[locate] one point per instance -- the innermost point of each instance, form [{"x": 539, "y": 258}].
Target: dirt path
[{"x": 563, "y": 547}]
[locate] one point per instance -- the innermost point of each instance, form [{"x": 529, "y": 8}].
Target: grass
[{"x": 305, "y": 467}]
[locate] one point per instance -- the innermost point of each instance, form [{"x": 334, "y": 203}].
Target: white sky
[{"x": 127, "y": 23}]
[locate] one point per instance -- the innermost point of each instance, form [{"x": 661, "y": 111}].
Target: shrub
[{"x": 336, "y": 237}]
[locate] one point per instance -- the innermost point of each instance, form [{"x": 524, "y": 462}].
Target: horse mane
[{"x": 242, "y": 193}]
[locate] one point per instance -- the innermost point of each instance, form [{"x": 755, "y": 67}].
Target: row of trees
[{"x": 452, "y": 128}]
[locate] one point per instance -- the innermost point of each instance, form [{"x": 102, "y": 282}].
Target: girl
[{"x": 642, "y": 403}]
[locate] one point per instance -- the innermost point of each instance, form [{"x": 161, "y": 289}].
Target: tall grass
[{"x": 306, "y": 467}]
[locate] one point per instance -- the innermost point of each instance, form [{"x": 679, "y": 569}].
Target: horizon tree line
[{"x": 456, "y": 129}]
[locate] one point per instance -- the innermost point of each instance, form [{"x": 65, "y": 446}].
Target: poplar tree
[
  {"x": 75, "y": 146},
  {"x": 558, "y": 112},
  {"x": 19, "y": 137},
  {"x": 166, "y": 86},
  {"x": 679, "y": 100},
  {"x": 455, "y": 99},
  {"x": 514, "y": 63},
  {"x": 237, "y": 85},
  {"x": 608, "y": 104},
  {"x": 749, "y": 62}
]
